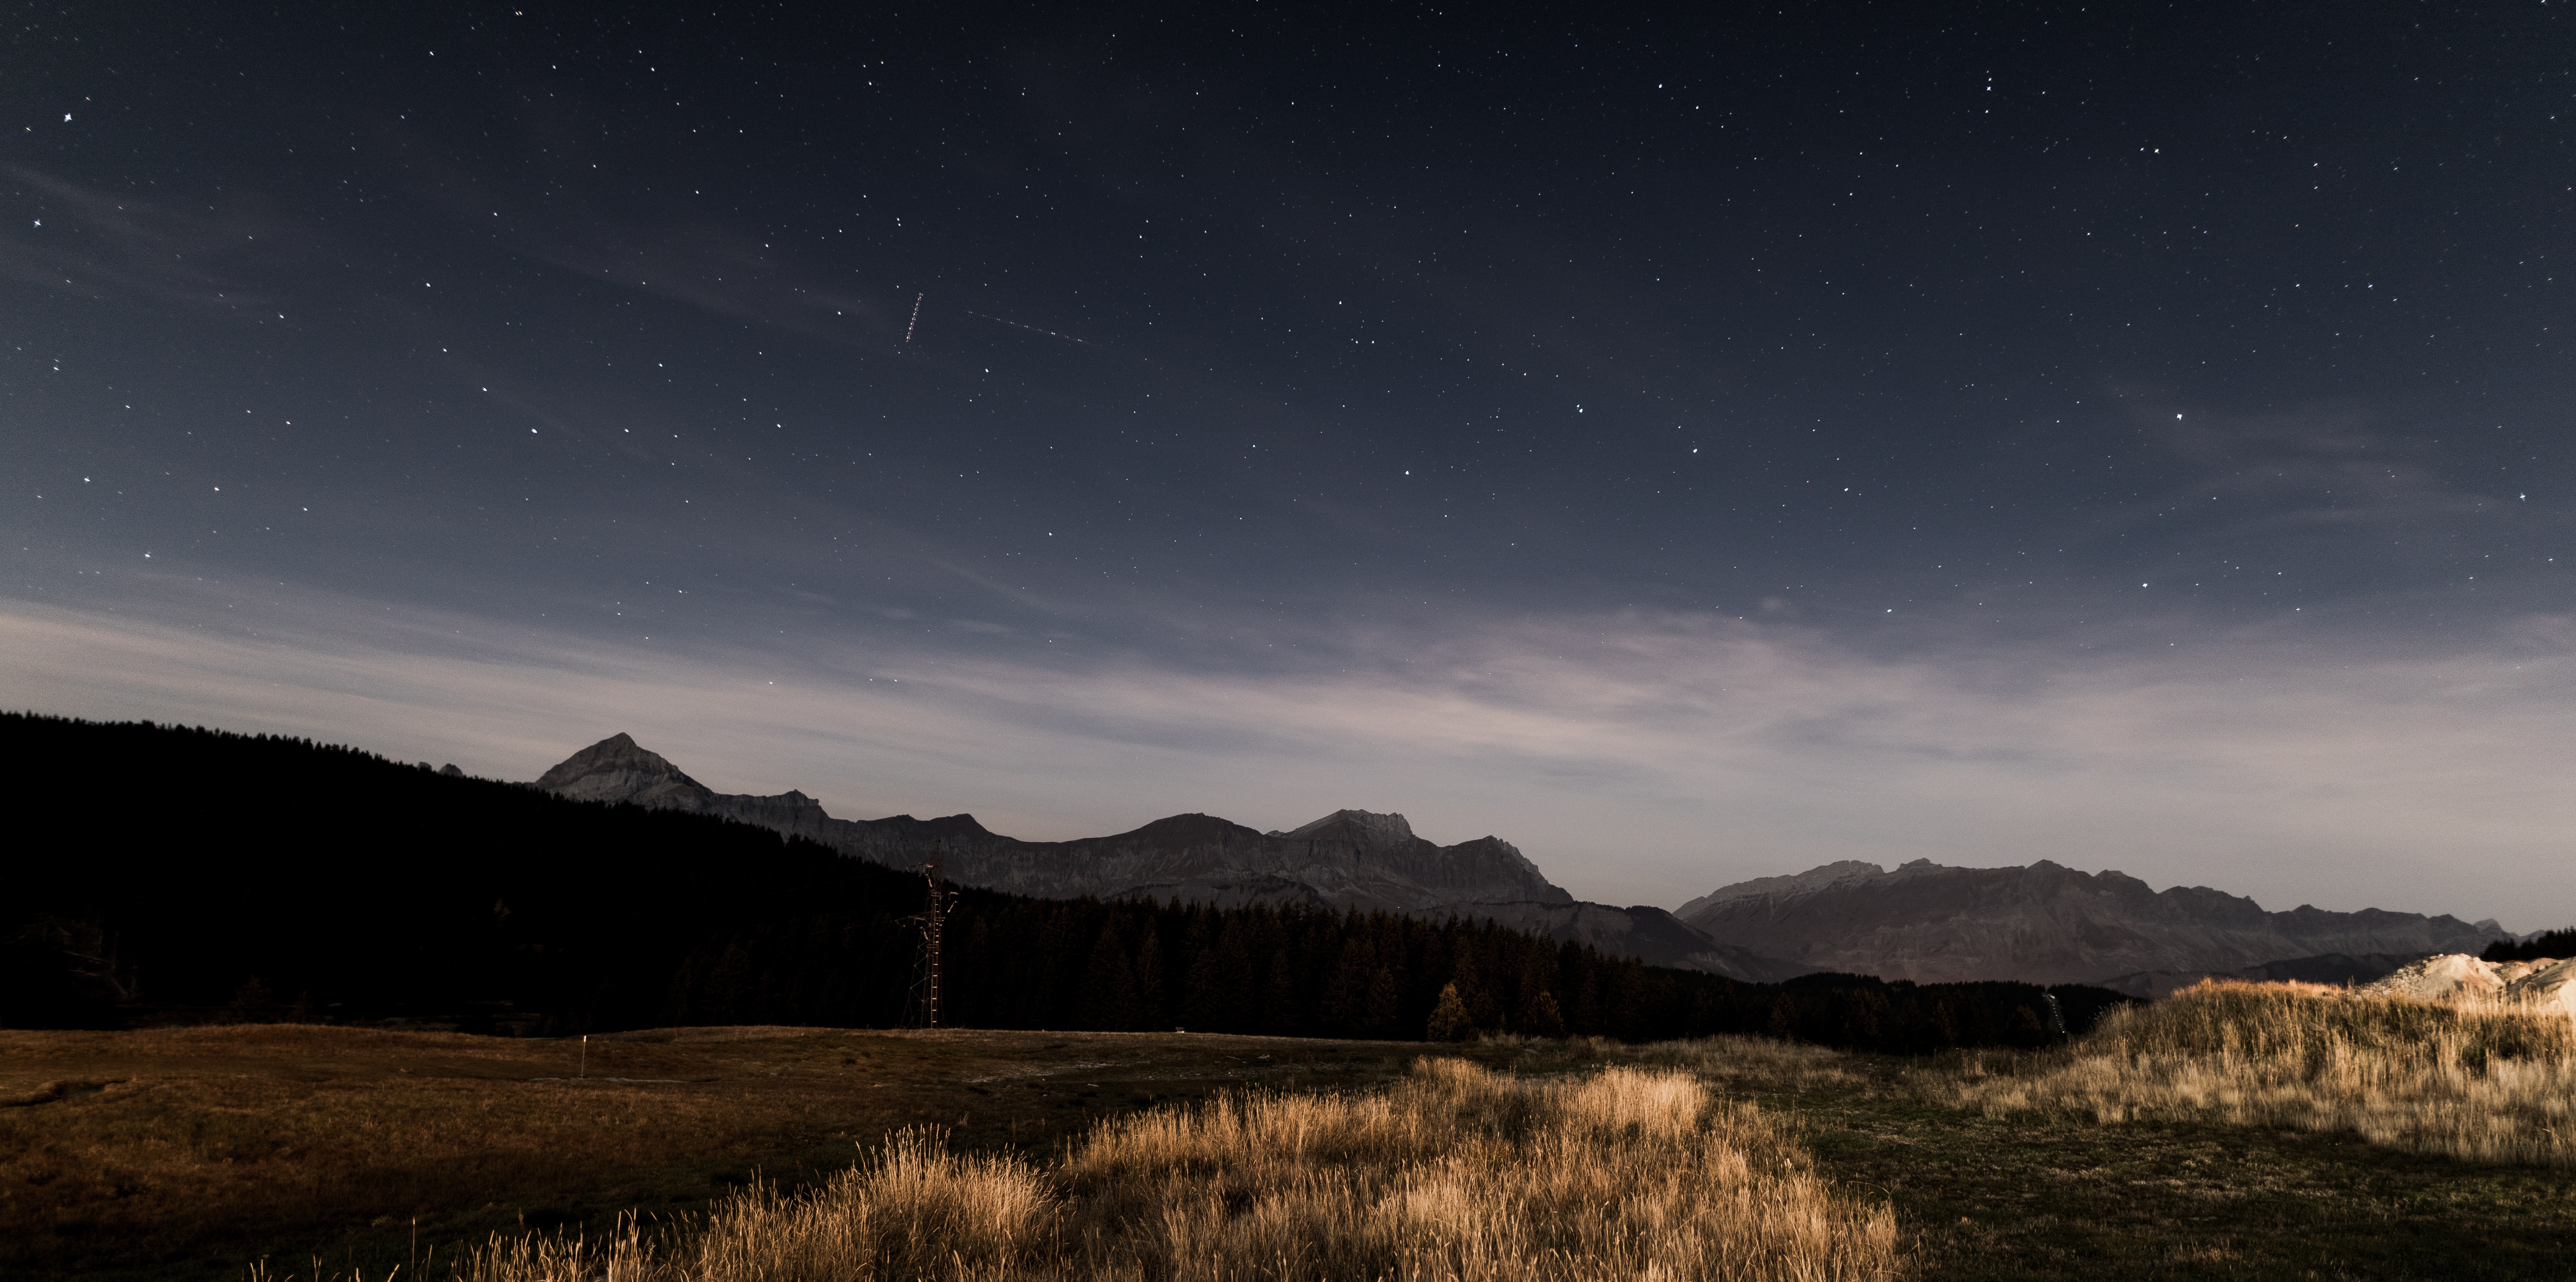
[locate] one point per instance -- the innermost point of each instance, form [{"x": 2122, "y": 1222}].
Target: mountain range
[
  {"x": 276, "y": 879},
  {"x": 1350, "y": 859},
  {"x": 2048, "y": 923},
  {"x": 1921, "y": 921}
]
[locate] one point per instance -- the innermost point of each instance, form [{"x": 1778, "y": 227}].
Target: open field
[
  {"x": 186, "y": 1152},
  {"x": 190, "y": 1153}
]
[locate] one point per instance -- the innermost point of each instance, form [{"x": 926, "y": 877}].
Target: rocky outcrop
[
  {"x": 2042, "y": 924},
  {"x": 1820, "y": 878},
  {"x": 1486, "y": 870},
  {"x": 1205, "y": 859},
  {"x": 2547, "y": 984},
  {"x": 2444, "y": 977},
  {"x": 1350, "y": 859}
]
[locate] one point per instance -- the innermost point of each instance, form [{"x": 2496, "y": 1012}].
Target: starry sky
[{"x": 1690, "y": 447}]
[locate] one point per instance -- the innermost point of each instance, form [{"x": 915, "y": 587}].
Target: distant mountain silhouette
[
  {"x": 228, "y": 878},
  {"x": 2045, "y": 923},
  {"x": 1350, "y": 859}
]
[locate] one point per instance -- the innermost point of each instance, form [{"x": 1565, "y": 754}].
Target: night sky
[{"x": 1689, "y": 448}]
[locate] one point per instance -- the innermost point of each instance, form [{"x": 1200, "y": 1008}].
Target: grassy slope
[
  {"x": 2017, "y": 1198},
  {"x": 209, "y": 1147}
]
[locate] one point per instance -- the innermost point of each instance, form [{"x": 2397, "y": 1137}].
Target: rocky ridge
[
  {"x": 2042, "y": 924},
  {"x": 1350, "y": 859}
]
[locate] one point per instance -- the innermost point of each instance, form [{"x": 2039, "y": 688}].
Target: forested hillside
[{"x": 170, "y": 874}]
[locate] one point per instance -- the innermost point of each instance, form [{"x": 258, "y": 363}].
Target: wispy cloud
[
  {"x": 2319, "y": 465},
  {"x": 1637, "y": 757},
  {"x": 89, "y": 242}
]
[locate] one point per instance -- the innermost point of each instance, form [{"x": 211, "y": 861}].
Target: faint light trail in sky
[{"x": 1035, "y": 330}]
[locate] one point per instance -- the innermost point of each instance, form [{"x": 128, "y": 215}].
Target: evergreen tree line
[
  {"x": 237, "y": 876},
  {"x": 2551, "y": 944},
  {"x": 1017, "y": 963}
]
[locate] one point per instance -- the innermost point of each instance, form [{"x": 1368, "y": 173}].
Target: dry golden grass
[
  {"x": 185, "y": 1153},
  {"x": 2478, "y": 1080},
  {"x": 1458, "y": 1172},
  {"x": 1464, "y": 1173},
  {"x": 209, "y": 1149},
  {"x": 1744, "y": 1064}
]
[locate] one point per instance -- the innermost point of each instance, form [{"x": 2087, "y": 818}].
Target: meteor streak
[{"x": 916, "y": 316}]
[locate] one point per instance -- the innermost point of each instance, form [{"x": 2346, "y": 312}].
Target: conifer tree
[
  {"x": 1543, "y": 1018},
  {"x": 1109, "y": 985},
  {"x": 1149, "y": 978},
  {"x": 1279, "y": 997},
  {"x": 1465, "y": 976},
  {"x": 1203, "y": 998},
  {"x": 1449, "y": 1022},
  {"x": 1538, "y": 968},
  {"x": 1784, "y": 1018},
  {"x": 1381, "y": 1010},
  {"x": 1346, "y": 995},
  {"x": 1235, "y": 990}
]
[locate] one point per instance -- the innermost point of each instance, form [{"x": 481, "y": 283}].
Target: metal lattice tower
[{"x": 932, "y": 919}]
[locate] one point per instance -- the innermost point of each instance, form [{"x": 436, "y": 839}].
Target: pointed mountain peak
[
  {"x": 617, "y": 769},
  {"x": 1361, "y": 825}
]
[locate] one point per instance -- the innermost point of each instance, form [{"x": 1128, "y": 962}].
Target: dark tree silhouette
[
  {"x": 2555, "y": 944},
  {"x": 1109, "y": 984}
]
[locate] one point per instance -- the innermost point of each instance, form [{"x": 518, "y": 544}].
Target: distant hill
[
  {"x": 2045, "y": 923},
  {"x": 1349, "y": 859},
  {"x": 214, "y": 875}
]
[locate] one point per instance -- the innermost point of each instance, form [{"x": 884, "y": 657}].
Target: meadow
[
  {"x": 1454, "y": 1172},
  {"x": 299, "y": 1152}
]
